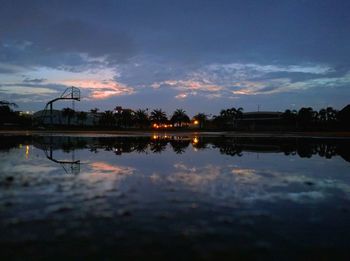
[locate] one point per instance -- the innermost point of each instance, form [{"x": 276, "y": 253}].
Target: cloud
[
  {"x": 286, "y": 85},
  {"x": 29, "y": 80},
  {"x": 101, "y": 89},
  {"x": 223, "y": 80},
  {"x": 9, "y": 68},
  {"x": 249, "y": 68},
  {"x": 189, "y": 87}
]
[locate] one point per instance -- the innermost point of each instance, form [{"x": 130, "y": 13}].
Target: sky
[{"x": 199, "y": 55}]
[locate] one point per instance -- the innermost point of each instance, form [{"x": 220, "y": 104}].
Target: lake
[{"x": 174, "y": 197}]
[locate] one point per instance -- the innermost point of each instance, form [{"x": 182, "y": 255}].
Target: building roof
[{"x": 262, "y": 115}]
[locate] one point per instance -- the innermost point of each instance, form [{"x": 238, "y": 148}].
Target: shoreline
[{"x": 258, "y": 134}]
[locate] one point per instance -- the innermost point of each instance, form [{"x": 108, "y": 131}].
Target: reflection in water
[
  {"x": 303, "y": 147},
  {"x": 209, "y": 196}
]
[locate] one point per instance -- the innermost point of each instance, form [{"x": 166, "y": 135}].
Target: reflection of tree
[
  {"x": 228, "y": 147},
  {"x": 9, "y": 142},
  {"x": 199, "y": 143},
  {"x": 303, "y": 147},
  {"x": 158, "y": 146},
  {"x": 179, "y": 146}
]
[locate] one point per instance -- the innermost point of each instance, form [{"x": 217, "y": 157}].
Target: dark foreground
[{"x": 174, "y": 197}]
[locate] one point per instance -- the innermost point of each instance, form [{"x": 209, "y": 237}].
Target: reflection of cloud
[
  {"x": 28, "y": 168},
  {"x": 107, "y": 176},
  {"x": 195, "y": 177},
  {"x": 100, "y": 167},
  {"x": 251, "y": 185}
]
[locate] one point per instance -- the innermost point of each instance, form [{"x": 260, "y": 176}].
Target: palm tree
[
  {"x": 179, "y": 117},
  {"x": 82, "y": 116},
  {"x": 69, "y": 114},
  {"x": 141, "y": 118},
  {"x": 8, "y": 104},
  {"x": 107, "y": 119},
  {"x": 202, "y": 119},
  {"x": 228, "y": 116},
  {"x": 6, "y": 113},
  {"x": 127, "y": 118},
  {"x": 94, "y": 113},
  {"x": 158, "y": 116}
]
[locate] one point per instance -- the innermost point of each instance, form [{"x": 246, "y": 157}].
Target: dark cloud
[
  {"x": 146, "y": 42},
  {"x": 28, "y": 80}
]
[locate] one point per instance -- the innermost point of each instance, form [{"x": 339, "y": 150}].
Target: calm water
[{"x": 174, "y": 197}]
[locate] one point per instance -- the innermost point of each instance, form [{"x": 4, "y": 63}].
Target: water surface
[{"x": 174, "y": 197}]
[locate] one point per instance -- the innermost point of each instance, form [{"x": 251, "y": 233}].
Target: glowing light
[
  {"x": 195, "y": 140},
  {"x": 27, "y": 151},
  {"x": 196, "y": 122}
]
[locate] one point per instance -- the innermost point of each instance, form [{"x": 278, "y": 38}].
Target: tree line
[{"x": 304, "y": 119}]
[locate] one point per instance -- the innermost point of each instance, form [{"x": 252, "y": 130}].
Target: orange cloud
[{"x": 102, "y": 89}]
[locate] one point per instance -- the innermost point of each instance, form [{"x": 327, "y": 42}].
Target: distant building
[
  {"x": 59, "y": 119},
  {"x": 260, "y": 120}
]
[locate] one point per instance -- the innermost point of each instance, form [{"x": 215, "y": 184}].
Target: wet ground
[{"x": 174, "y": 197}]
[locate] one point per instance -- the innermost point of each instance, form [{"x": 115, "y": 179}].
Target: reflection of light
[
  {"x": 155, "y": 137},
  {"x": 195, "y": 140},
  {"x": 27, "y": 151},
  {"x": 20, "y": 146}
]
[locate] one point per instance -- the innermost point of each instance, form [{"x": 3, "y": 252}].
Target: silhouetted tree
[
  {"x": 179, "y": 118},
  {"x": 306, "y": 118},
  {"x": 68, "y": 113},
  {"x": 82, "y": 116},
  {"x": 8, "y": 104},
  {"x": 127, "y": 118},
  {"x": 228, "y": 117},
  {"x": 107, "y": 119},
  {"x": 158, "y": 116},
  {"x": 141, "y": 118},
  {"x": 289, "y": 117},
  {"x": 6, "y": 113},
  {"x": 94, "y": 113}
]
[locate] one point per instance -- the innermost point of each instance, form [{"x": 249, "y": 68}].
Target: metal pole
[{"x": 51, "y": 120}]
